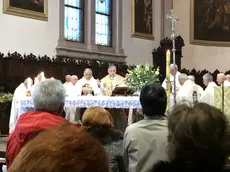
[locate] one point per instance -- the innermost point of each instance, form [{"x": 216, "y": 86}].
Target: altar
[{"x": 114, "y": 104}]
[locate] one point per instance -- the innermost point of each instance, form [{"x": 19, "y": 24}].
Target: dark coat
[
  {"x": 112, "y": 140},
  {"x": 179, "y": 166}
]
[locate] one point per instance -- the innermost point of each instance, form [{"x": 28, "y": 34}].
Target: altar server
[
  {"x": 188, "y": 93},
  {"x": 19, "y": 92},
  {"x": 173, "y": 72},
  {"x": 208, "y": 94},
  {"x": 90, "y": 80},
  {"x": 221, "y": 80},
  {"x": 110, "y": 81},
  {"x": 192, "y": 78}
]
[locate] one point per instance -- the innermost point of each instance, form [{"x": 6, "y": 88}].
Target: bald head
[
  {"x": 227, "y": 77},
  {"x": 74, "y": 79},
  {"x": 207, "y": 78},
  {"x": 182, "y": 78},
  {"x": 68, "y": 78},
  {"x": 173, "y": 69},
  {"x": 220, "y": 78},
  {"x": 88, "y": 73}
]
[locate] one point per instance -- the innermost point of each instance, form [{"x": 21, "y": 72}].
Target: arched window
[
  {"x": 103, "y": 22},
  {"x": 74, "y": 20}
]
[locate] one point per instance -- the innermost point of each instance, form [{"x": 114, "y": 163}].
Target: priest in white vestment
[
  {"x": 221, "y": 80},
  {"x": 72, "y": 88},
  {"x": 89, "y": 79},
  {"x": 67, "y": 80},
  {"x": 19, "y": 93},
  {"x": 208, "y": 94},
  {"x": 192, "y": 78},
  {"x": 188, "y": 93},
  {"x": 173, "y": 72}
]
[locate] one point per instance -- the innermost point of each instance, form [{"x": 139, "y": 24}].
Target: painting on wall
[
  {"x": 210, "y": 22},
  {"x": 142, "y": 19},
  {"x": 35, "y": 9}
]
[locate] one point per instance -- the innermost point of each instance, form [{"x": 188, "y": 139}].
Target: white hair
[
  {"x": 183, "y": 77},
  {"x": 49, "y": 95},
  {"x": 174, "y": 66},
  {"x": 208, "y": 77},
  {"x": 191, "y": 78}
]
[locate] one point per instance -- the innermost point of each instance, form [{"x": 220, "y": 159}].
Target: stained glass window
[
  {"x": 74, "y": 20},
  {"x": 103, "y": 21}
]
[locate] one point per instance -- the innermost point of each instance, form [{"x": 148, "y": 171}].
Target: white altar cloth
[{"x": 90, "y": 101}]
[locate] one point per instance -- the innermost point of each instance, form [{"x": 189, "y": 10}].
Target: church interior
[{"x": 97, "y": 49}]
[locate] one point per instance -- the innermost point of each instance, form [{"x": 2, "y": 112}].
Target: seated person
[
  {"x": 63, "y": 149},
  {"x": 99, "y": 123},
  {"x": 198, "y": 141},
  {"x": 49, "y": 98}
]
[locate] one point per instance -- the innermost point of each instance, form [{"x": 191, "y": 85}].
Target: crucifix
[{"x": 173, "y": 19}]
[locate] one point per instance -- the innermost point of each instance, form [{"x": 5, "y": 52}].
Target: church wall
[
  {"x": 198, "y": 57},
  {"x": 28, "y": 35},
  {"x": 40, "y": 37},
  {"x": 140, "y": 50}
]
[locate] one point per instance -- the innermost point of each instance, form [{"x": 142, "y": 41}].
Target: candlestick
[{"x": 168, "y": 88}]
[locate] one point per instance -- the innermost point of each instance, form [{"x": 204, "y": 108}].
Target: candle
[
  {"x": 36, "y": 81},
  {"x": 42, "y": 76},
  {"x": 29, "y": 83},
  {"x": 168, "y": 89}
]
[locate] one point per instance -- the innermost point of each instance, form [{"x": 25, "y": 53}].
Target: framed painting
[
  {"x": 142, "y": 19},
  {"x": 210, "y": 22},
  {"x": 35, "y": 9}
]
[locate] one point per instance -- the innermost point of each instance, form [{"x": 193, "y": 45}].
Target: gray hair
[
  {"x": 174, "y": 66},
  {"x": 208, "y": 77},
  {"x": 183, "y": 77},
  {"x": 49, "y": 95},
  {"x": 191, "y": 78}
]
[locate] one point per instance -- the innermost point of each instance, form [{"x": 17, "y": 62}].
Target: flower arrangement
[
  {"x": 6, "y": 97},
  {"x": 140, "y": 75}
]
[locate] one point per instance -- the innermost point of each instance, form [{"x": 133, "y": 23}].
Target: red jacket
[{"x": 28, "y": 126}]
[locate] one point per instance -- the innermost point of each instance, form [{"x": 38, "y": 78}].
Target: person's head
[
  {"x": 153, "y": 100},
  {"x": 74, "y": 79},
  {"x": 173, "y": 69},
  {"x": 191, "y": 78},
  {"x": 220, "y": 78},
  {"x": 68, "y": 78},
  {"x": 182, "y": 78},
  {"x": 88, "y": 73},
  {"x": 112, "y": 70},
  {"x": 207, "y": 78},
  {"x": 228, "y": 77},
  {"x": 198, "y": 134},
  {"x": 49, "y": 95},
  {"x": 97, "y": 117},
  {"x": 28, "y": 82},
  {"x": 61, "y": 149}
]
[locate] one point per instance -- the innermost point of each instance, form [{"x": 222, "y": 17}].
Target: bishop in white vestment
[
  {"x": 192, "y": 78},
  {"x": 208, "y": 94}
]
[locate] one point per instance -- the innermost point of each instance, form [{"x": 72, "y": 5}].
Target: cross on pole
[{"x": 173, "y": 19}]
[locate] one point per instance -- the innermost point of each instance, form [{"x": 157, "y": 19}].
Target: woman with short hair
[{"x": 99, "y": 123}]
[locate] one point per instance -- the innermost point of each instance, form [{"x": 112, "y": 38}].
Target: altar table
[{"x": 90, "y": 101}]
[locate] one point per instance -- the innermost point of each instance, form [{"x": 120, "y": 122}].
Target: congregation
[{"x": 194, "y": 136}]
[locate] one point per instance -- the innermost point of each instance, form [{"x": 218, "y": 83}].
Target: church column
[{"x": 88, "y": 29}]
